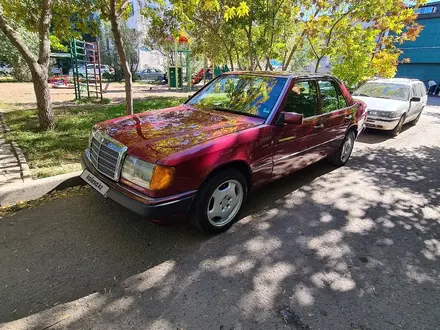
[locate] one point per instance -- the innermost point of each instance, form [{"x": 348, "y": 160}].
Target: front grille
[{"x": 106, "y": 155}]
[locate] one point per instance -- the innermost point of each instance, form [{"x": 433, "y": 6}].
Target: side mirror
[
  {"x": 293, "y": 118},
  {"x": 415, "y": 99}
]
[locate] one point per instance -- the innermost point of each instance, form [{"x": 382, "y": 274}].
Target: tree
[
  {"x": 42, "y": 16},
  {"x": 361, "y": 37},
  {"x": 114, "y": 11},
  {"x": 132, "y": 40}
]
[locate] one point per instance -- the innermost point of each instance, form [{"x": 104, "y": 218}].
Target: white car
[
  {"x": 5, "y": 70},
  {"x": 91, "y": 70},
  {"x": 391, "y": 103}
]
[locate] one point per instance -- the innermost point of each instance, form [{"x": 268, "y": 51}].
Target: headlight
[
  {"x": 150, "y": 176},
  {"x": 383, "y": 114}
]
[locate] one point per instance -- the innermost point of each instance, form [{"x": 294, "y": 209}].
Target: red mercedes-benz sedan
[{"x": 202, "y": 158}]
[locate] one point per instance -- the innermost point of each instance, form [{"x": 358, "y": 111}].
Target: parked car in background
[
  {"x": 150, "y": 75},
  {"x": 5, "y": 70},
  {"x": 392, "y": 102},
  {"x": 238, "y": 132},
  {"x": 91, "y": 70}
]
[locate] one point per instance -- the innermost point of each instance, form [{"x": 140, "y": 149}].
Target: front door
[{"x": 294, "y": 144}]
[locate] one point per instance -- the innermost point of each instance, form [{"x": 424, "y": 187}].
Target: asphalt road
[{"x": 349, "y": 248}]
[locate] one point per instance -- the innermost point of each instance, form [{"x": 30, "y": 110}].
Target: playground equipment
[
  {"x": 207, "y": 74},
  {"x": 179, "y": 65},
  {"x": 86, "y": 80},
  {"x": 179, "y": 62}
]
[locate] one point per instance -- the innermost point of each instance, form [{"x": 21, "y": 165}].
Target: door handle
[
  {"x": 348, "y": 117},
  {"x": 318, "y": 126}
]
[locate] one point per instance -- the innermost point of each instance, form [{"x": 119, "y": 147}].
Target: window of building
[
  {"x": 302, "y": 99},
  {"x": 426, "y": 10}
]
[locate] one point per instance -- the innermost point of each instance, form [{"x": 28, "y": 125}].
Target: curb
[{"x": 33, "y": 189}]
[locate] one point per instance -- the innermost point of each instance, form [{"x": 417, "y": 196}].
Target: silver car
[
  {"x": 393, "y": 102},
  {"x": 150, "y": 75},
  {"x": 5, "y": 70}
]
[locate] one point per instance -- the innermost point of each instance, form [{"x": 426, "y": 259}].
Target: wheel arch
[
  {"x": 354, "y": 128},
  {"x": 239, "y": 165}
]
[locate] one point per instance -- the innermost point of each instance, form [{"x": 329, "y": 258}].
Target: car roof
[
  {"x": 402, "y": 81},
  {"x": 284, "y": 74}
]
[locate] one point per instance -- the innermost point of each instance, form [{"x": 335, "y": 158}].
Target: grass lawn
[{"x": 58, "y": 151}]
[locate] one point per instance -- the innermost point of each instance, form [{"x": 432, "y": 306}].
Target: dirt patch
[{"x": 23, "y": 95}]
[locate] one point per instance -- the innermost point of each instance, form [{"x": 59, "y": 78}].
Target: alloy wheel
[
  {"x": 225, "y": 202},
  {"x": 347, "y": 148}
]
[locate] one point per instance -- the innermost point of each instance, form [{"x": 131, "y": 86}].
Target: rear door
[
  {"x": 294, "y": 145},
  {"x": 336, "y": 116}
]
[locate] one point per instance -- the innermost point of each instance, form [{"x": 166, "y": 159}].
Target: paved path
[
  {"x": 350, "y": 248},
  {"x": 11, "y": 170}
]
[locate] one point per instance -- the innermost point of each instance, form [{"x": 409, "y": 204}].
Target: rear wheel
[
  {"x": 396, "y": 131},
  {"x": 343, "y": 153},
  {"x": 415, "y": 121},
  {"x": 219, "y": 201}
]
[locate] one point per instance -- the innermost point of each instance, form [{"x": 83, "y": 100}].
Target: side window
[
  {"x": 422, "y": 90},
  {"x": 302, "y": 99},
  {"x": 414, "y": 91},
  {"x": 331, "y": 97}
]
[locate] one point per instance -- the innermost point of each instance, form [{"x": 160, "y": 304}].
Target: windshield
[
  {"x": 384, "y": 91},
  {"x": 244, "y": 94}
]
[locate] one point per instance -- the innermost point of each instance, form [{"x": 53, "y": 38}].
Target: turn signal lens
[{"x": 162, "y": 177}]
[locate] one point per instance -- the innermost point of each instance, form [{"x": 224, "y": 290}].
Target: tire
[
  {"x": 218, "y": 201},
  {"x": 396, "y": 131},
  {"x": 343, "y": 153},
  {"x": 415, "y": 121}
]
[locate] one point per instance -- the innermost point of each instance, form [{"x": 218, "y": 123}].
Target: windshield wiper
[
  {"x": 235, "y": 111},
  {"x": 361, "y": 95}
]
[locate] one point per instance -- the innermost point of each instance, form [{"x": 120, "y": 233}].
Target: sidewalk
[{"x": 13, "y": 166}]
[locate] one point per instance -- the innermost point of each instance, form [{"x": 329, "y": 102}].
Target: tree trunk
[
  {"x": 38, "y": 66},
  {"x": 293, "y": 50},
  {"x": 231, "y": 60},
  {"x": 122, "y": 58},
  {"x": 44, "y": 102},
  {"x": 318, "y": 60},
  {"x": 250, "y": 44}
]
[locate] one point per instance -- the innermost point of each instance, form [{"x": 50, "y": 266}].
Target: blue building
[{"x": 424, "y": 52}]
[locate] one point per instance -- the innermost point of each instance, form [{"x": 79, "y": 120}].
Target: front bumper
[
  {"x": 382, "y": 123},
  {"x": 155, "y": 208}
]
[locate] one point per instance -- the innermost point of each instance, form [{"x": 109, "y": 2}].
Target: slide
[{"x": 198, "y": 78}]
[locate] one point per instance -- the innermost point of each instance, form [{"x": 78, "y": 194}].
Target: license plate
[{"x": 94, "y": 182}]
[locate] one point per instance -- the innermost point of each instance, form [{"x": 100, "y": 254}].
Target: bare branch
[
  {"x": 45, "y": 19},
  {"x": 123, "y": 6}
]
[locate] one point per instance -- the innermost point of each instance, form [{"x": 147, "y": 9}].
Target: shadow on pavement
[
  {"x": 374, "y": 136},
  {"x": 356, "y": 247}
]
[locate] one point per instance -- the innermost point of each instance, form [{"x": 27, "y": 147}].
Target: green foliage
[
  {"x": 359, "y": 36},
  {"x": 10, "y": 54},
  {"x": 69, "y": 18}
]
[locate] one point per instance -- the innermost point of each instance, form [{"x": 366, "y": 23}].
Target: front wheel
[
  {"x": 343, "y": 153},
  {"x": 396, "y": 131},
  {"x": 219, "y": 201}
]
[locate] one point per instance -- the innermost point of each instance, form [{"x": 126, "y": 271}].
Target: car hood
[
  {"x": 156, "y": 134},
  {"x": 375, "y": 103}
]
